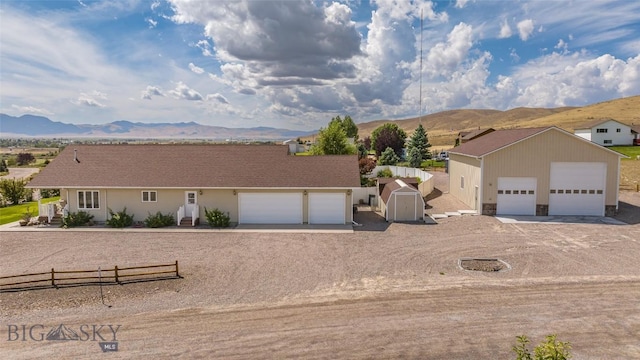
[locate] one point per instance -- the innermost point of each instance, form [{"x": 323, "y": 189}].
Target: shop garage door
[
  {"x": 577, "y": 188},
  {"x": 327, "y": 208},
  {"x": 516, "y": 196},
  {"x": 270, "y": 208}
]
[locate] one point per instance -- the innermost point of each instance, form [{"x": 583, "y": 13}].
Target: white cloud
[
  {"x": 461, "y": 3},
  {"x": 445, "y": 57},
  {"x": 182, "y": 91},
  {"x": 152, "y": 23},
  {"x": 89, "y": 100},
  {"x": 31, "y": 110},
  {"x": 525, "y": 28},
  {"x": 217, "y": 97},
  {"x": 151, "y": 91},
  {"x": 195, "y": 69},
  {"x": 505, "y": 30}
]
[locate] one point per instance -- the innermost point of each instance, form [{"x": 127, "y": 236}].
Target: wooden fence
[{"x": 117, "y": 275}]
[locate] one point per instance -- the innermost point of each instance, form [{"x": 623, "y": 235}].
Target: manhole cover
[{"x": 487, "y": 265}]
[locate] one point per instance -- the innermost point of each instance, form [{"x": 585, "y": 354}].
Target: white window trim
[
  {"x": 85, "y": 192},
  {"x": 148, "y": 196}
]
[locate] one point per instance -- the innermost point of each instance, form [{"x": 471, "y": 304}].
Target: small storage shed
[{"x": 401, "y": 202}]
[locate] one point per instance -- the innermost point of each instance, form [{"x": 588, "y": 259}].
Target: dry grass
[
  {"x": 443, "y": 127},
  {"x": 629, "y": 174}
]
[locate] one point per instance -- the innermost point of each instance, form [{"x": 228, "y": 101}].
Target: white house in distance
[{"x": 608, "y": 132}]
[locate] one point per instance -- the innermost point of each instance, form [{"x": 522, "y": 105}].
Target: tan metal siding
[
  {"x": 469, "y": 168},
  {"x": 533, "y": 157}
]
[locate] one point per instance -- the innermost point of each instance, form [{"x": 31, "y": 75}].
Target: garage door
[
  {"x": 577, "y": 188},
  {"x": 516, "y": 196},
  {"x": 270, "y": 208},
  {"x": 327, "y": 208}
]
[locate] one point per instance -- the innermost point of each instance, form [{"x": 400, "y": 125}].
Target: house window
[
  {"x": 608, "y": 141},
  {"x": 461, "y": 182},
  {"x": 89, "y": 199},
  {"x": 604, "y": 131},
  {"x": 149, "y": 196},
  {"x": 618, "y": 130}
]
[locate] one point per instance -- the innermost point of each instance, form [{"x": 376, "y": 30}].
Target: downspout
[
  {"x": 106, "y": 206},
  {"x": 479, "y": 203},
  {"x": 617, "y": 188}
]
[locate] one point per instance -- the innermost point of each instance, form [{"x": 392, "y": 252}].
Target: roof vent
[{"x": 75, "y": 156}]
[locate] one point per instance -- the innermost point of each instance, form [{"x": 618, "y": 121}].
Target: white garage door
[
  {"x": 270, "y": 208},
  {"x": 516, "y": 196},
  {"x": 577, "y": 188},
  {"x": 327, "y": 208}
]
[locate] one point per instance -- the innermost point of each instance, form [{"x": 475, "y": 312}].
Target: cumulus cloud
[
  {"x": 461, "y": 3},
  {"x": 217, "y": 97},
  {"x": 505, "y": 30},
  {"x": 182, "y": 91},
  {"x": 152, "y": 23},
  {"x": 195, "y": 69},
  {"x": 88, "y": 101},
  {"x": 151, "y": 91},
  {"x": 292, "y": 39},
  {"x": 445, "y": 57},
  {"x": 525, "y": 29}
]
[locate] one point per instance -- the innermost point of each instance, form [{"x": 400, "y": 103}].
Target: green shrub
[
  {"x": 159, "y": 220},
  {"x": 216, "y": 218},
  {"x": 384, "y": 173},
  {"x": 550, "y": 349},
  {"x": 120, "y": 219},
  {"x": 81, "y": 218}
]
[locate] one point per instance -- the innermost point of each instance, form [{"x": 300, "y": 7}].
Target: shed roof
[
  {"x": 195, "y": 166},
  {"x": 393, "y": 186}
]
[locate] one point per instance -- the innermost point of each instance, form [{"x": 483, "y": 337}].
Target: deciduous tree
[
  {"x": 13, "y": 190},
  {"x": 388, "y": 135},
  {"x": 25, "y": 159},
  {"x": 333, "y": 141}
]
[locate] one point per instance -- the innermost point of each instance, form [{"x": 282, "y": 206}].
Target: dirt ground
[{"x": 383, "y": 291}]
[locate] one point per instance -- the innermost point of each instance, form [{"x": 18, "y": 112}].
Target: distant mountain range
[{"x": 39, "y": 126}]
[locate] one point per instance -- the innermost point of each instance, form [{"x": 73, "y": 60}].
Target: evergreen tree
[
  {"x": 389, "y": 157},
  {"x": 420, "y": 141},
  {"x": 415, "y": 157}
]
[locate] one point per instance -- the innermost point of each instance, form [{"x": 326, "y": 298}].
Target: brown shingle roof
[
  {"x": 195, "y": 166},
  {"x": 494, "y": 141},
  {"x": 595, "y": 123}
]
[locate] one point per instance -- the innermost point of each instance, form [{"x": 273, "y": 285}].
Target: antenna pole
[{"x": 420, "y": 101}]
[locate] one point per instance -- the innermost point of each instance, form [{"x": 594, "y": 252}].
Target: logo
[{"x": 105, "y": 335}]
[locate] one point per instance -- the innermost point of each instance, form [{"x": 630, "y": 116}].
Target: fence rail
[{"x": 116, "y": 275}]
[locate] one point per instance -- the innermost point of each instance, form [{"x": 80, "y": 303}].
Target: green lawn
[
  {"x": 631, "y": 151},
  {"x": 13, "y": 213}
]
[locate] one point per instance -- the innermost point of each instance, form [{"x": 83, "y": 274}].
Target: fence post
[
  {"x": 53, "y": 278},
  {"x": 115, "y": 270},
  {"x": 177, "y": 273}
]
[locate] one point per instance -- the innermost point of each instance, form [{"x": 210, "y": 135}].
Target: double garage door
[
  {"x": 575, "y": 188},
  {"x": 287, "y": 208}
]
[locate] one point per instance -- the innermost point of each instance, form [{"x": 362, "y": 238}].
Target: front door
[{"x": 190, "y": 202}]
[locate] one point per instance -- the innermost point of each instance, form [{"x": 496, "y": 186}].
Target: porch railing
[
  {"x": 48, "y": 210},
  {"x": 180, "y": 214},
  {"x": 195, "y": 215}
]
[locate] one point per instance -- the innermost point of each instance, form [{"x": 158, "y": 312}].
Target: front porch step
[{"x": 186, "y": 222}]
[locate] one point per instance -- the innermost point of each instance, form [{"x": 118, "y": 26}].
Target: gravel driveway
[{"x": 392, "y": 291}]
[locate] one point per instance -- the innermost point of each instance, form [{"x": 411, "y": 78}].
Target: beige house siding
[
  {"x": 468, "y": 167},
  {"x": 169, "y": 200},
  {"x": 533, "y": 157}
]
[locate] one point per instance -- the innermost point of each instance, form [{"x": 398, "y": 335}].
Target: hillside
[{"x": 443, "y": 127}]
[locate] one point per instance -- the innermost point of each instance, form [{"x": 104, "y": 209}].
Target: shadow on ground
[{"x": 628, "y": 213}]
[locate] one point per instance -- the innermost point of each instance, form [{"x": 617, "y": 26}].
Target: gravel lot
[{"x": 384, "y": 291}]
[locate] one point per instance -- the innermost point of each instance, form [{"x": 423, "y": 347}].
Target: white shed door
[
  {"x": 270, "y": 208},
  {"x": 516, "y": 196},
  {"x": 327, "y": 208},
  {"x": 577, "y": 188}
]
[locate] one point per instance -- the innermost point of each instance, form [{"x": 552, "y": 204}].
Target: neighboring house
[
  {"x": 465, "y": 136},
  {"x": 294, "y": 146},
  {"x": 255, "y": 184},
  {"x": 536, "y": 171},
  {"x": 635, "y": 130},
  {"x": 401, "y": 202},
  {"x": 608, "y": 132}
]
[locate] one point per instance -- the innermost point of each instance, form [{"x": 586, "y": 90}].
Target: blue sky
[{"x": 296, "y": 64}]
